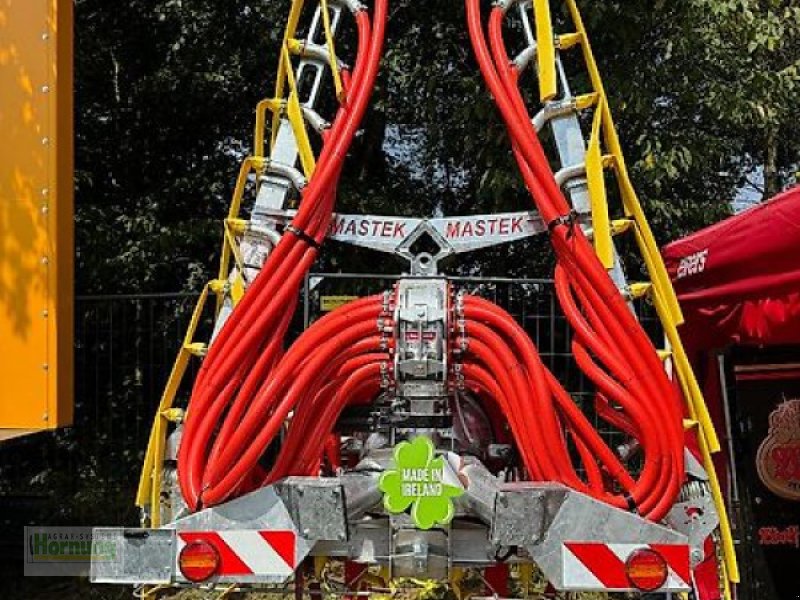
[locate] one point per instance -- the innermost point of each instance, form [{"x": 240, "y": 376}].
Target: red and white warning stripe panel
[
  {"x": 597, "y": 566},
  {"x": 247, "y": 555}
]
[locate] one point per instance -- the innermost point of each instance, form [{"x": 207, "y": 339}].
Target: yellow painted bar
[
  {"x": 648, "y": 246},
  {"x": 666, "y": 303},
  {"x": 295, "y": 114},
  {"x": 699, "y": 412},
  {"x": 273, "y": 105},
  {"x": 284, "y": 64},
  {"x": 585, "y": 101},
  {"x": 249, "y": 165},
  {"x": 150, "y": 479},
  {"x": 632, "y": 205},
  {"x": 569, "y": 40},
  {"x": 334, "y": 63},
  {"x": 694, "y": 394},
  {"x": 595, "y": 179},
  {"x": 149, "y": 491},
  {"x": 619, "y": 226},
  {"x": 237, "y": 288},
  {"x": 730, "y": 565},
  {"x": 230, "y": 239},
  {"x": 545, "y": 50},
  {"x": 237, "y": 226},
  {"x": 640, "y": 289},
  {"x": 36, "y": 216}
]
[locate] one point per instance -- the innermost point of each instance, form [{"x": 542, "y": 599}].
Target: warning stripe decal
[
  {"x": 249, "y": 552},
  {"x": 602, "y": 562},
  {"x": 600, "y": 566},
  {"x": 284, "y": 543},
  {"x": 677, "y": 558},
  {"x": 230, "y": 563}
]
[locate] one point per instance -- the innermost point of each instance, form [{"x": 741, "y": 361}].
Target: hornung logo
[
  {"x": 67, "y": 551},
  {"x": 58, "y": 547},
  {"x": 693, "y": 264}
]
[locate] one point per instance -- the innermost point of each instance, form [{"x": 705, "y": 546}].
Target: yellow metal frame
[
  {"x": 286, "y": 103},
  {"x": 660, "y": 289},
  {"x": 334, "y": 63},
  {"x": 545, "y": 50}
]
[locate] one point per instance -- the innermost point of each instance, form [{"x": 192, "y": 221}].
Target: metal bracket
[
  {"x": 449, "y": 235},
  {"x": 421, "y": 319}
]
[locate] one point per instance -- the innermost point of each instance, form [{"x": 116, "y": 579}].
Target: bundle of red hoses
[
  {"x": 633, "y": 391},
  {"x": 248, "y": 390},
  {"x": 247, "y": 387}
]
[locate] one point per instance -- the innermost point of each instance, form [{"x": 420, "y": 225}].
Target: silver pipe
[
  {"x": 524, "y": 58},
  {"x": 315, "y": 120},
  {"x": 552, "y": 110},
  {"x": 315, "y": 52},
  {"x": 568, "y": 173},
  {"x": 360, "y": 485},
  {"x": 295, "y": 177},
  {"x": 354, "y": 6},
  {"x": 734, "y": 491}
]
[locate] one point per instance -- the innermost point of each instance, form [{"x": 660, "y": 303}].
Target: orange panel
[{"x": 36, "y": 214}]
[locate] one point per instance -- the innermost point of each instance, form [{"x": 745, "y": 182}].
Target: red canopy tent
[{"x": 738, "y": 283}]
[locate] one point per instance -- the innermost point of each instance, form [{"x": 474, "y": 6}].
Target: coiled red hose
[
  {"x": 245, "y": 389},
  {"x": 249, "y": 392},
  {"x": 609, "y": 345}
]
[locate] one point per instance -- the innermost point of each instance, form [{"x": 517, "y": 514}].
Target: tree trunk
[{"x": 772, "y": 184}]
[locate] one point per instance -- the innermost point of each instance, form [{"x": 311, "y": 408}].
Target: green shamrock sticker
[{"x": 419, "y": 480}]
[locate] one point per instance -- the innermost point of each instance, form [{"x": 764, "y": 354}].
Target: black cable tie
[
  {"x": 570, "y": 219},
  {"x": 303, "y": 236},
  {"x": 631, "y": 503}
]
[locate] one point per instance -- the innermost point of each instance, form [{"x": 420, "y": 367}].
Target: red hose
[
  {"x": 244, "y": 389},
  {"x": 606, "y": 332},
  {"x": 249, "y": 392}
]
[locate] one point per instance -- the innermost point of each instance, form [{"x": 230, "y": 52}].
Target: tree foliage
[{"x": 704, "y": 92}]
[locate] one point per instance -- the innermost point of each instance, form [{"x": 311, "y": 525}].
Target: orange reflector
[
  {"x": 198, "y": 561},
  {"x": 646, "y": 570}
]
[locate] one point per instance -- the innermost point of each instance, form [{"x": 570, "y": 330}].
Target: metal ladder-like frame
[
  {"x": 584, "y": 164},
  {"x": 247, "y": 243}
]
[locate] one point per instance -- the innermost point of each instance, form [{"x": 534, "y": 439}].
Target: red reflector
[
  {"x": 646, "y": 570},
  {"x": 198, "y": 561}
]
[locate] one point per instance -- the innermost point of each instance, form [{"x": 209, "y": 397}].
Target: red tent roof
[{"x": 739, "y": 280}]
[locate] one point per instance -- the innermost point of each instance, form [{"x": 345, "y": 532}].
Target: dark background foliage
[{"x": 704, "y": 92}]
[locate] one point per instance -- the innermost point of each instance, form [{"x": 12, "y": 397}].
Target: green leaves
[{"x": 704, "y": 92}]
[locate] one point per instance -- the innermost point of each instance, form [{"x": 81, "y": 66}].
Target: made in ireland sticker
[{"x": 422, "y": 481}]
